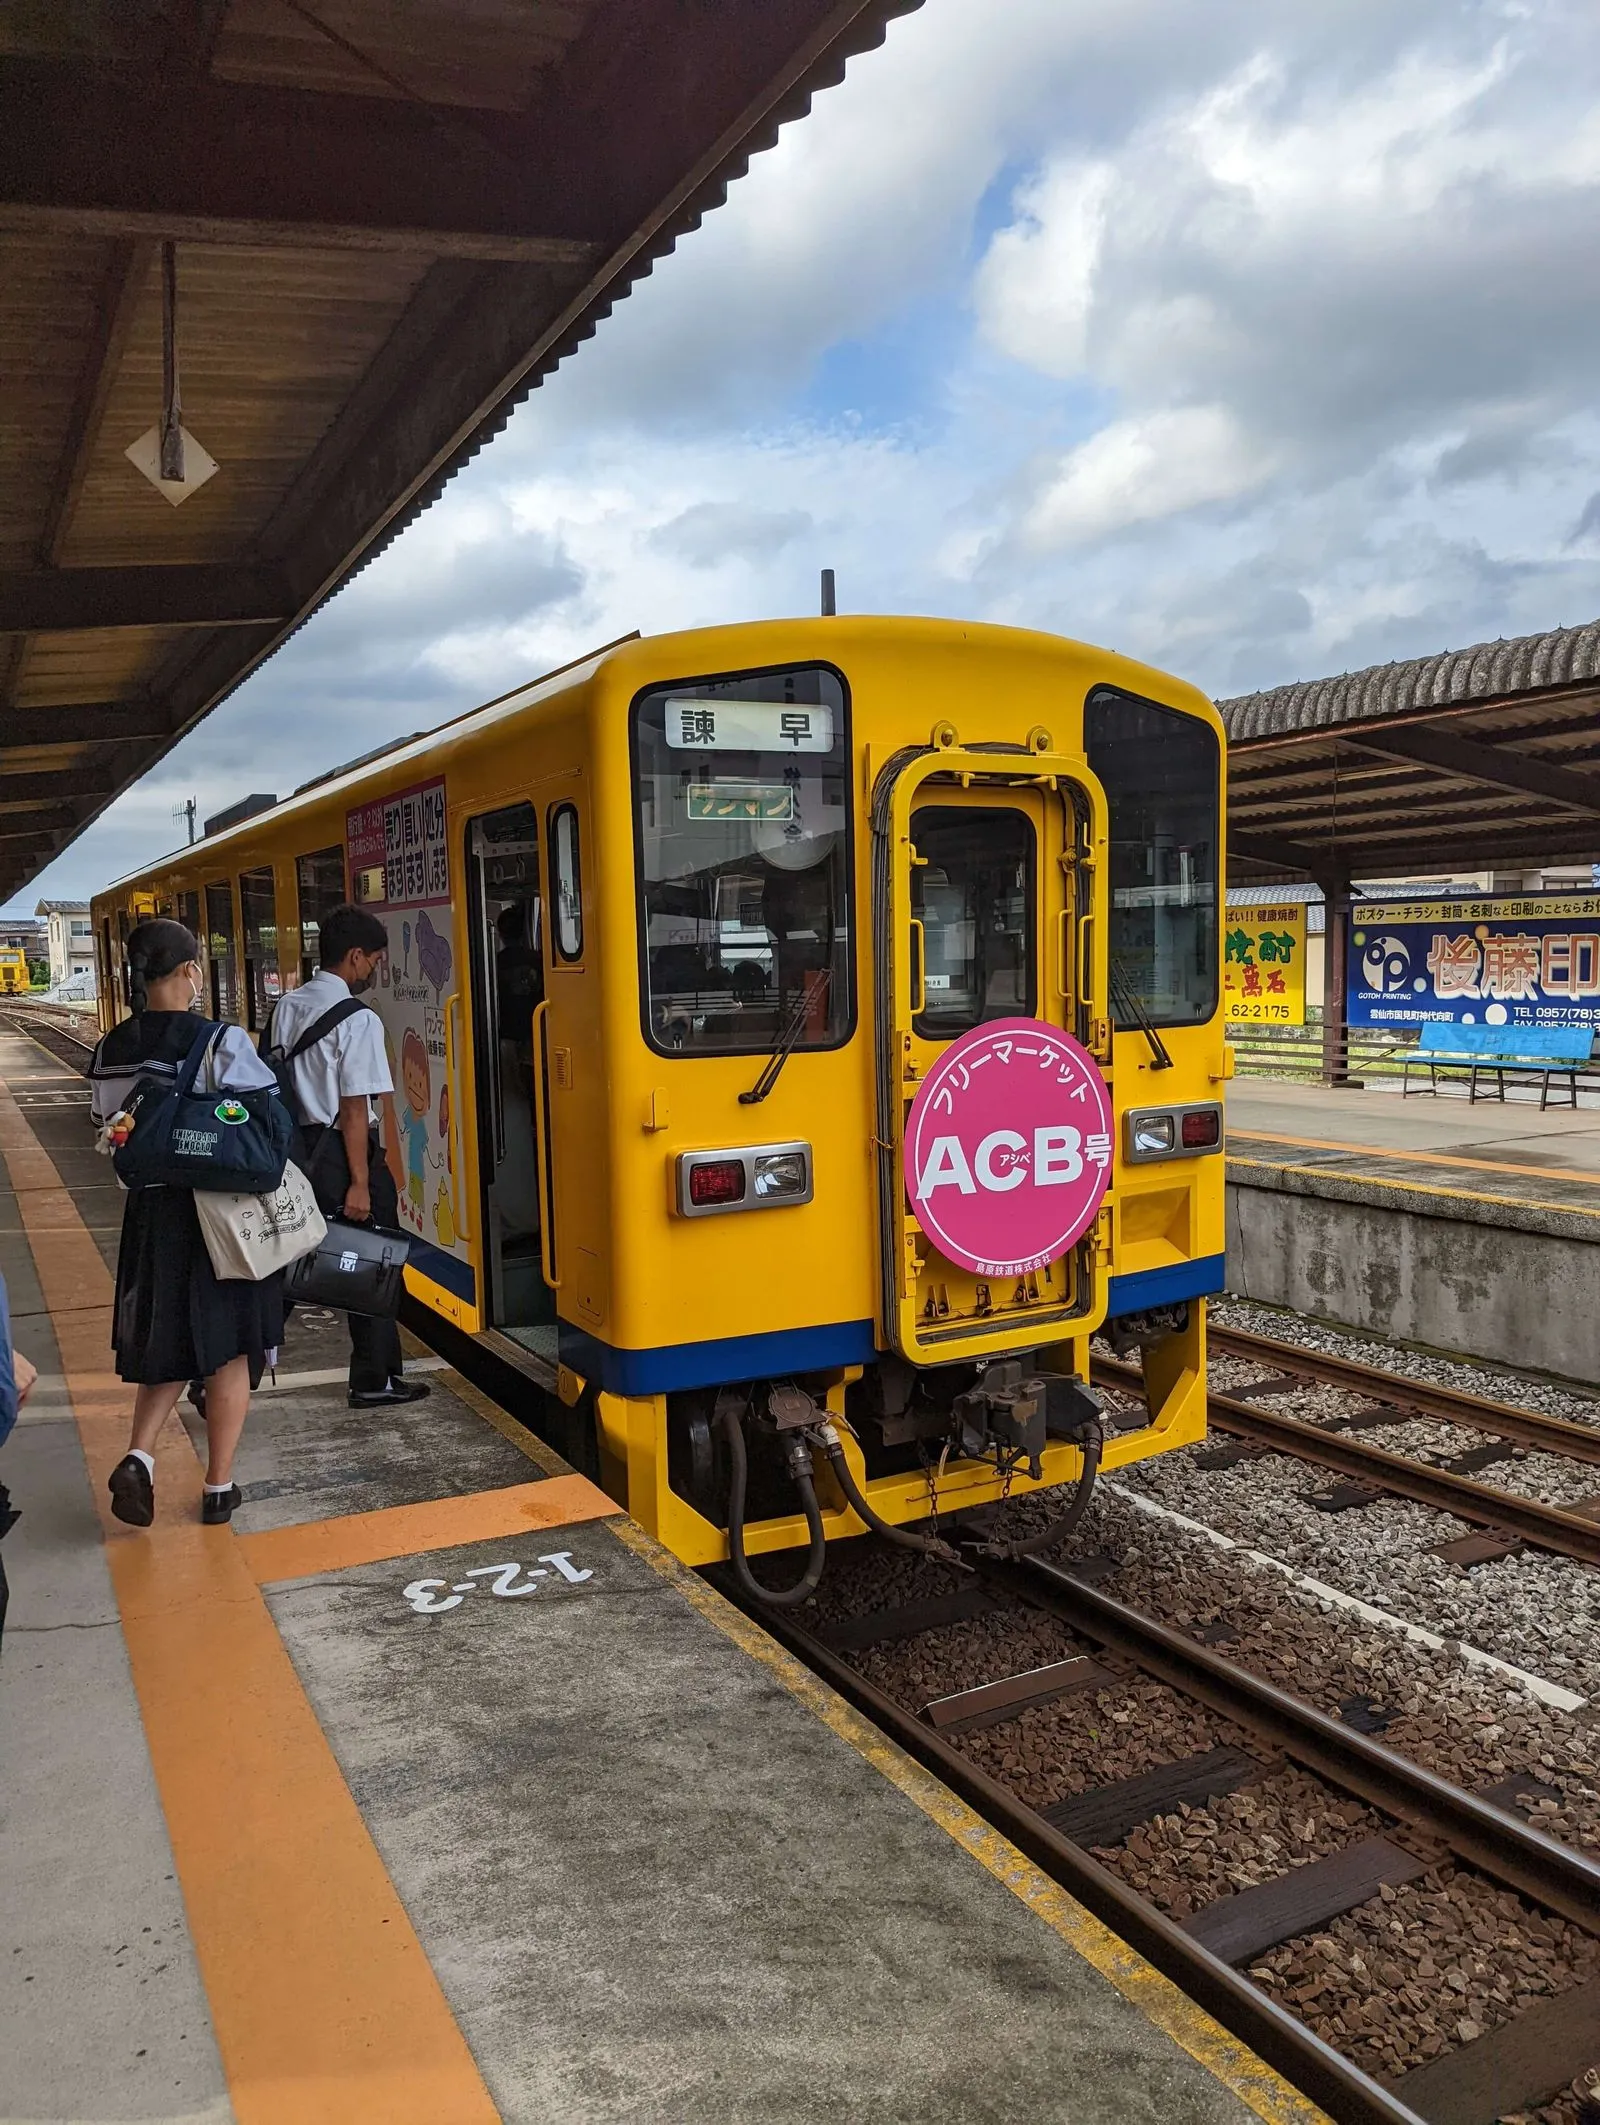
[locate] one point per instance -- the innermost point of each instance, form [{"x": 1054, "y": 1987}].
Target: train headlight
[
  {"x": 746, "y": 1177},
  {"x": 781, "y": 1174},
  {"x": 1151, "y": 1134}
]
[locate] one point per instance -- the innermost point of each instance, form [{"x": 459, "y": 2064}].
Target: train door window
[
  {"x": 189, "y": 915},
  {"x": 566, "y": 882},
  {"x": 219, "y": 947},
  {"x": 506, "y": 927},
  {"x": 1162, "y": 773},
  {"x": 320, "y": 879},
  {"x": 973, "y": 893},
  {"x": 258, "y": 915}
]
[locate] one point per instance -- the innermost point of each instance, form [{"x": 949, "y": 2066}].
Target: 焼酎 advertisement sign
[
  {"x": 1007, "y": 1150},
  {"x": 1517, "y": 962},
  {"x": 1264, "y": 965}
]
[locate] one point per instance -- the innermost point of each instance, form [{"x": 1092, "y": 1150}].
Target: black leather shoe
[
  {"x": 382, "y": 1397},
  {"x": 133, "y": 1495},
  {"x": 217, "y": 1507}
]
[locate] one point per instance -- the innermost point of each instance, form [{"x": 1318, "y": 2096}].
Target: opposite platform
[
  {"x": 433, "y": 1790},
  {"x": 1461, "y": 1227}
]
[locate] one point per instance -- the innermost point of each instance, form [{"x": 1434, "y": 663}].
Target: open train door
[{"x": 990, "y": 956}]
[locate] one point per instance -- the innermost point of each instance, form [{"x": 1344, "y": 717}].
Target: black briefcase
[{"x": 356, "y": 1268}]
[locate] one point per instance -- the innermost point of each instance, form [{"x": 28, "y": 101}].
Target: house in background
[{"x": 71, "y": 941}]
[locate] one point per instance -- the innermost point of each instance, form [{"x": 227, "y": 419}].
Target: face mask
[{"x": 367, "y": 981}]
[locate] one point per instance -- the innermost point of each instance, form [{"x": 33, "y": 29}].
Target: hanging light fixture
[{"x": 167, "y": 454}]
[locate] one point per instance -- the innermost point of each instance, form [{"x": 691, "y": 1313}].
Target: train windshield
[
  {"x": 1161, "y": 771},
  {"x": 742, "y": 829}
]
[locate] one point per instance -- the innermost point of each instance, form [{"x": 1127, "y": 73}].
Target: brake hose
[
  {"x": 929, "y": 1545},
  {"x": 1053, "y": 1530},
  {"x": 731, "y": 1417}
]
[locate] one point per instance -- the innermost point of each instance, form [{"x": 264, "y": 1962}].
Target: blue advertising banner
[{"x": 1532, "y": 961}]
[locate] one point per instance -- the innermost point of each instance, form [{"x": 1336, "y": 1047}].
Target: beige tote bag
[{"x": 249, "y": 1237}]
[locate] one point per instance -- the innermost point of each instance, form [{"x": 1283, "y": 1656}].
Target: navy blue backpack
[{"x": 234, "y": 1143}]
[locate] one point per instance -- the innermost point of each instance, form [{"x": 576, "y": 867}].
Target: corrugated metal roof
[{"x": 1486, "y": 672}]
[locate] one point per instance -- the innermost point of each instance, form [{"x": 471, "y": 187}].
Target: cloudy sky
[{"x": 1258, "y": 339}]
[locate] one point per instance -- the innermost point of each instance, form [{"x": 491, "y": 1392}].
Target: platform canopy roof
[
  {"x": 1480, "y": 758},
  {"x": 389, "y": 223}
]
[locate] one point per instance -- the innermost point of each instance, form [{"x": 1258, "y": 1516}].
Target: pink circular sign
[{"x": 1008, "y": 1148}]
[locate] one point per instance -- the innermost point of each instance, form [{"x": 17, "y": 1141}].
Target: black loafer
[
  {"x": 382, "y": 1397},
  {"x": 218, "y": 1506},
  {"x": 133, "y": 1495}
]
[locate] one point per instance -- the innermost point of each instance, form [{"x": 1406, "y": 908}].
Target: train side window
[
  {"x": 566, "y": 882},
  {"x": 973, "y": 894},
  {"x": 319, "y": 878},
  {"x": 258, "y": 914},
  {"x": 219, "y": 945},
  {"x": 1162, "y": 774}
]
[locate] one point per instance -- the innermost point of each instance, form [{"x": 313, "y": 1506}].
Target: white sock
[
  {"x": 137, "y": 1453},
  {"x": 219, "y": 1490}
]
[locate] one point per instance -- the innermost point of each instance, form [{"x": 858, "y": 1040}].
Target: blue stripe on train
[
  {"x": 1165, "y": 1287},
  {"x": 673, "y": 1365},
  {"x": 443, "y": 1269}
]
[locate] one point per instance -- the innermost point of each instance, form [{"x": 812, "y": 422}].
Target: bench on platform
[{"x": 1542, "y": 1052}]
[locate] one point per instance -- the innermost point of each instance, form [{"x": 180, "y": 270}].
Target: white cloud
[{"x": 1140, "y": 470}]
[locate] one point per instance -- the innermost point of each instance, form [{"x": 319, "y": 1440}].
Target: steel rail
[
  {"x": 1542, "y": 1526},
  {"x": 1492, "y": 1839},
  {"x": 1557, "y": 1435},
  {"x": 1246, "y": 2011}
]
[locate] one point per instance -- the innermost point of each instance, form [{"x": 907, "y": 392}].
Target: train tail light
[
  {"x": 1202, "y": 1129},
  {"x": 716, "y": 1183}
]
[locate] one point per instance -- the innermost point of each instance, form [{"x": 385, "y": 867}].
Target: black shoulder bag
[{"x": 234, "y": 1143}]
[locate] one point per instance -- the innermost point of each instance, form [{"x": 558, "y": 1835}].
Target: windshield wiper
[
  {"x": 1127, "y": 1003},
  {"x": 788, "y": 1040}
]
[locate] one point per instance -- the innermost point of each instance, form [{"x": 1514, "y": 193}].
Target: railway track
[
  {"x": 56, "y": 1040},
  {"x": 1511, "y": 1521},
  {"x": 1435, "y": 1822}
]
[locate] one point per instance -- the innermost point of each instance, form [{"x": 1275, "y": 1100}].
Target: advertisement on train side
[
  {"x": 1264, "y": 965},
  {"x": 1530, "y": 961},
  {"x": 399, "y": 864}
]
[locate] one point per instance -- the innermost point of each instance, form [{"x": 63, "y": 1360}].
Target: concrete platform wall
[{"x": 1519, "y": 1287}]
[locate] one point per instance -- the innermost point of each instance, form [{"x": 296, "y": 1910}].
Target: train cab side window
[
  {"x": 258, "y": 911},
  {"x": 319, "y": 879},
  {"x": 1162, "y": 776},
  {"x": 219, "y": 949},
  {"x": 743, "y": 844},
  {"x": 973, "y": 894},
  {"x": 566, "y": 882}
]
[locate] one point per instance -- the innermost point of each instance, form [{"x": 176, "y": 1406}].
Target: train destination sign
[
  {"x": 1007, "y": 1152},
  {"x": 749, "y": 726},
  {"x": 1522, "y": 961}
]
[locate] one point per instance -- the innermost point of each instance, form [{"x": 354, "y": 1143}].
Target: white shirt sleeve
[
  {"x": 362, "y": 1064},
  {"x": 234, "y": 1066}
]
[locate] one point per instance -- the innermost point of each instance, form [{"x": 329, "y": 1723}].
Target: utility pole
[{"x": 186, "y": 812}]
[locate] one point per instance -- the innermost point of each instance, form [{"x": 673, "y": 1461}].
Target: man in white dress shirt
[{"x": 336, "y": 1081}]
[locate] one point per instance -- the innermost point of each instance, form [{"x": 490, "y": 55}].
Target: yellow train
[
  {"x": 14, "y": 973},
  {"x": 697, "y": 952}
]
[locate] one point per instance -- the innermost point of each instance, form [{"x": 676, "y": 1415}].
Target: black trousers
[{"x": 375, "y": 1355}]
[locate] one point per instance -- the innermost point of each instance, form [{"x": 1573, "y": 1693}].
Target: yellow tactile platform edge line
[
  {"x": 1417, "y": 1158},
  {"x": 325, "y": 2007},
  {"x": 315, "y": 1941}
]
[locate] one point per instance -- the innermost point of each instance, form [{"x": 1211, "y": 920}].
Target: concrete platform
[
  {"x": 1461, "y": 1227},
  {"x": 434, "y": 1792}
]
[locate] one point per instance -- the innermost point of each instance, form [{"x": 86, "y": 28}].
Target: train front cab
[{"x": 753, "y": 953}]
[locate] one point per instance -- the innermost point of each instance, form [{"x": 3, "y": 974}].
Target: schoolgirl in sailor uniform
[{"x": 174, "y": 1320}]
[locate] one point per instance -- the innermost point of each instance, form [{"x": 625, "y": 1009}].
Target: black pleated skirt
[{"x": 175, "y": 1318}]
